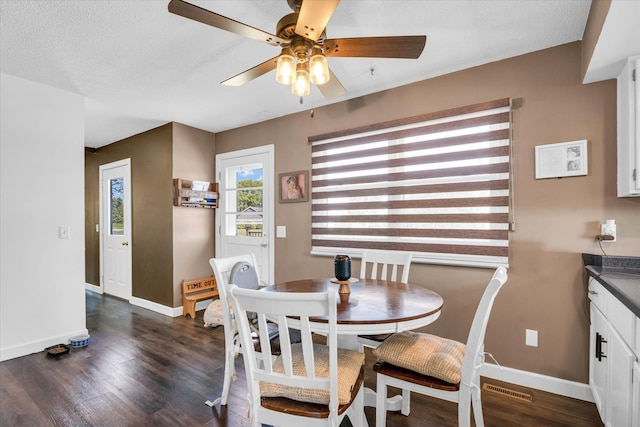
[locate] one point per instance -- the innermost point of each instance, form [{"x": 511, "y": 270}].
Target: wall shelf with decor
[{"x": 195, "y": 194}]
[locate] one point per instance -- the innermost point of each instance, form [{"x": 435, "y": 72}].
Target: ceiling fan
[{"x": 304, "y": 47}]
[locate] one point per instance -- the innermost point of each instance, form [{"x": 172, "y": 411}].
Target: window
[
  {"x": 243, "y": 196},
  {"x": 116, "y": 211},
  {"x": 436, "y": 185}
]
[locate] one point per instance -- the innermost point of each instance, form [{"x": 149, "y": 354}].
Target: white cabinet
[
  {"x": 629, "y": 129},
  {"x": 611, "y": 358}
]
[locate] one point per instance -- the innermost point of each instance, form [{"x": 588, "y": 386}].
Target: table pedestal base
[{"x": 393, "y": 403}]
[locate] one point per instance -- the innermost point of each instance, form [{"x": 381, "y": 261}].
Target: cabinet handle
[
  {"x": 593, "y": 292},
  {"x": 599, "y": 341}
]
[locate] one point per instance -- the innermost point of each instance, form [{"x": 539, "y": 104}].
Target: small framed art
[
  {"x": 560, "y": 160},
  {"x": 294, "y": 187}
]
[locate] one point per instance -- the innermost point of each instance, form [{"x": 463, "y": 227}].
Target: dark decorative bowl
[{"x": 57, "y": 350}]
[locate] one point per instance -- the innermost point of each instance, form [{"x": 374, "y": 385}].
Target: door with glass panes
[
  {"x": 115, "y": 228},
  {"x": 245, "y": 212}
]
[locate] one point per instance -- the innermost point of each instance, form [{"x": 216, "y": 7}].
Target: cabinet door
[
  {"x": 635, "y": 402},
  {"x": 619, "y": 387},
  {"x": 598, "y": 359},
  {"x": 628, "y": 135}
]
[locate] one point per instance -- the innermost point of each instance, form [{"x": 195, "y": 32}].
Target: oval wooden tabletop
[{"x": 373, "y": 302}]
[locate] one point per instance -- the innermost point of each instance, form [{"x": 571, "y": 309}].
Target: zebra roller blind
[{"x": 437, "y": 185}]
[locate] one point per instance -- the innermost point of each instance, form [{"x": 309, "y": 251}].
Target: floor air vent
[{"x": 524, "y": 397}]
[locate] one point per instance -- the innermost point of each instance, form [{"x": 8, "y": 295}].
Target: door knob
[
  {"x": 125, "y": 243},
  {"x": 264, "y": 245}
]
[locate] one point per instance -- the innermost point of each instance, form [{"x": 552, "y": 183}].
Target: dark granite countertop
[{"x": 619, "y": 275}]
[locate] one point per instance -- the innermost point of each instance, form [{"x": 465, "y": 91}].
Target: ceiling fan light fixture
[
  {"x": 318, "y": 67},
  {"x": 285, "y": 70},
  {"x": 301, "y": 85}
]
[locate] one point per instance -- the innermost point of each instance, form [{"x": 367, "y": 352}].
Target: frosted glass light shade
[
  {"x": 301, "y": 85},
  {"x": 286, "y": 67},
  {"x": 318, "y": 67}
]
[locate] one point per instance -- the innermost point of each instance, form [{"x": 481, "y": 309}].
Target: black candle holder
[{"x": 342, "y": 264}]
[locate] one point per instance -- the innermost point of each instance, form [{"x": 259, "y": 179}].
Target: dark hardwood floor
[{"x": 143, "y": 368}]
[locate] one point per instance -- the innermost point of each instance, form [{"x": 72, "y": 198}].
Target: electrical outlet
[
  {"x": 531, "y": 337},
  {"x": 609, "y": 229},
  {"x": 64, "y": 232}
]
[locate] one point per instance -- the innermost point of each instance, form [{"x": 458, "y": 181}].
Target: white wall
[{"x": 42, "y": 297}]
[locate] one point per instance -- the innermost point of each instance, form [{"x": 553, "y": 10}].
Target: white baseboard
[
  {"x": 154, "y": 306},
  {"x": 201, "y": 305},
  {"x": 93, "y": 288},
  {"x": 39, "y": 345},
  {"x": 163, "y": 309},
  {"x": 537, "y": 381}
]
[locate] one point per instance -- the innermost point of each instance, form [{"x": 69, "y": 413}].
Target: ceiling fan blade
[
  {"x": 333, "y": 88},
  {"x": 376, "y": 47},
  {"x": 252, "y": 73},
  {"x": 191, "y": 11},
  {"x": 313, "y": 18}
]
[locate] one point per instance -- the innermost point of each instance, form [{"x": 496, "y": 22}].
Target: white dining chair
[
  {"x": 309, "y": 384},
  {"x": 383, "y": 265},
  {"x": 438, "y": 367},
  {"x": 222, "y": 270}
]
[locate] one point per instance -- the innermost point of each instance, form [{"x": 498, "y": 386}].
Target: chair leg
[
  {"x": 229, "y": 372},
  {"x": 406, "y": 402},
  {"x": 356, "y": 415},
  {"x": 464, "y": 407},
  {"x": 381, "y": 401},
  {"x": 477, "y": 406}
]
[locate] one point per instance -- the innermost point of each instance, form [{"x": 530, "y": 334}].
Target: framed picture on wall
[
  {"x": 560, "y": 160},
  {"x": 294, "y": 187}
]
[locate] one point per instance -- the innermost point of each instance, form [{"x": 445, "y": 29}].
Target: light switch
[
  {"x": 64, "y": 232},
  {"x": 281, "y": 231}
]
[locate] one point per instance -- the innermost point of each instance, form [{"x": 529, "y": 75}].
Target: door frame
[
  {"x": 127, "y": 215},
  {"x": 269, "y": 191}
]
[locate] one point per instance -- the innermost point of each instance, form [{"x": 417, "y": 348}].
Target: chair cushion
[
  {"x": 349, "y": 364},
  {"x": 423, "y": 353}
]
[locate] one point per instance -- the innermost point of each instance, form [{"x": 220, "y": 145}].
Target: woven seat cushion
[
  {"x": 423, "y": 353},
  {"x": 349, "y": 364}
]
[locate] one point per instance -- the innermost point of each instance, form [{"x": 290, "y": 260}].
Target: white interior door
[
  {"x": 245, "y": 211},
  {"x": 115, "y": 228}
]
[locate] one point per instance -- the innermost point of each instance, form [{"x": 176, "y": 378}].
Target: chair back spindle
[{"x": 385, "y": 265}]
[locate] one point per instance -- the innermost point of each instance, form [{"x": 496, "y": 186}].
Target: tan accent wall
[
  {"x": 193, "y": 228},
  {"x": 597, "y": 16},
  {"x": 151, "y": 211},
  {"x": 91, "y": 216},
  {"x": 556, "y": 219}
]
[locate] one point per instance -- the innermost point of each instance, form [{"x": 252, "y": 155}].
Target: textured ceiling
[{"x": 139, "y": 66}]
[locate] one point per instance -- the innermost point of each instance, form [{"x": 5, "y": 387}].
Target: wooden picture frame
[
  {"x": 562, "y": 160},
  {"x": 294, "y": 187}
]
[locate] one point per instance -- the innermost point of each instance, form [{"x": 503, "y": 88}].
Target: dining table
[{"x": 370, "y": 307}]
